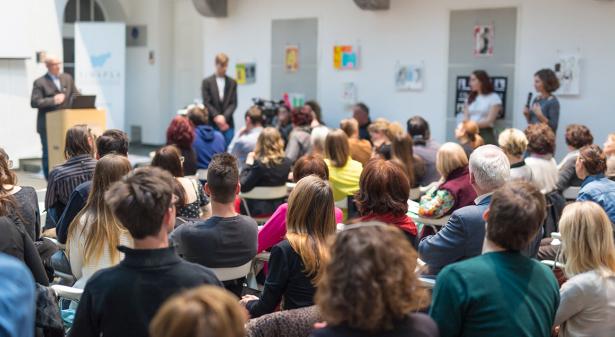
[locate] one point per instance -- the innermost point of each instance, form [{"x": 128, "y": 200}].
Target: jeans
[{"x": 45, "y": 159}]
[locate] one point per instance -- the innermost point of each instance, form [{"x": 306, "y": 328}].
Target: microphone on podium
[{"x": 529, "y": 99}]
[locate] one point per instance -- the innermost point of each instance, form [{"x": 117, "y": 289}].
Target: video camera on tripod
[{"x": 269, "y": 108}]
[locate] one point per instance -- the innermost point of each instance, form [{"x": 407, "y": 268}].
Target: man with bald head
[{"x": 53, "y": 91}]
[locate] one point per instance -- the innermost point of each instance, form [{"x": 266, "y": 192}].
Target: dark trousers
[{"x": 45, "y": 160}]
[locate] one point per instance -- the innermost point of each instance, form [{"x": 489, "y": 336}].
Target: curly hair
[
  {"x": 180, "y": 133},
  {"x": 578, "y": 135},
  {"x": 269, "y": 147},
  {"x": 549, "y": 79},
  {"x": 513, "y": 142},
  {"x": 541, "y": 139},
  {"x": 593, "y": 158},
  {"x": 360, "y": 287},
  {"x": 383, "y": 189}
]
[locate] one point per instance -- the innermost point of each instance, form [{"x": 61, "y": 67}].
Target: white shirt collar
[{"x": 482, "y": 197}]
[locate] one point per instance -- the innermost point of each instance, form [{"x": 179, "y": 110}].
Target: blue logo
[{"x": 99, "y": 60}]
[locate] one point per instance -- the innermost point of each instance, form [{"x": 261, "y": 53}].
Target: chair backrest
[
  {"x": 266, "y": 193},
  {"x": 428, "y": 283},
  {"x": 415, "y": 193},
  {"x": 571, "y": 193},
  {"x": 201, "y": 174},
  {"x": 232, "y": 273},
  {"x": 343, "y": 204},
  {"x": 69, "y": 293}
]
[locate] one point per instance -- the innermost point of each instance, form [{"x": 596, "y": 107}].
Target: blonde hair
[
  {"x": 204, "y": 311},
  {"x": 450, "y": 157},
  {"x": 310, "y": 221},
  {"x": 472, "y": 134},
  {"x": 269, "y": 148},
  {"x": 222, "y": 59},
  {"x": 337, "y": 149},
  {"x": 513, "y": 142},
  {"x": 587, "y": 239},
  {"x": 389, "y": 129},
  {"x": 350, "y": 126}
]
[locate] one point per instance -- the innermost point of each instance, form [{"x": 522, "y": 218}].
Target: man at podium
[{"x": 53, "y": 91}]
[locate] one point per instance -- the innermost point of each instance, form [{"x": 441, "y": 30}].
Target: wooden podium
[{"x": 61, "y": 120}]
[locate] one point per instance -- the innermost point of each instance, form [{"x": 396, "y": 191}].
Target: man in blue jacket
[{"x": 207, "y": 140}]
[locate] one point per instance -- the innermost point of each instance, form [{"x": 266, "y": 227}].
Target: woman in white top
[
  {"x": 95, "y": 233},
  {"x": 540, "y": 148},
  {"x": 587, "y": 300},
  {"x": 482, "y": 106}
]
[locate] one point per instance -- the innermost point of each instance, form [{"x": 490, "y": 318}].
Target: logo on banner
[{"x": 99, "y": 60}]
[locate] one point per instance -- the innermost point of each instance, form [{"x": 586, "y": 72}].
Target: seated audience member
[
  {"x": 344, "y": 173},
  {"x": 590, "y": 168},
  {"x": 383, "y": 196},
  {"x": 317, "y": 139},
  {"x": 425, "y": 148},
  {"x": 462, "y": 236},
  {"x": 360, "y": 113},
  {"x": 360, "y": 149},
  {"x": 577, "y": 136},
  {"x": 316, "y": 111},
  {"x": 587, "y": 303},
  {"x": 17, "y": 298},
  {"x": 541, "y": 148},
  {"x": 204, "y": 311},
  {"x": 361, "y": 295},
  {"x": 501, "y": 292},
  {"x": 274, "y": 229},
  {"x": 299, "y": 143},
  {"x": 64, "y": 178},
  {"x": 95, "y": 233},
  {"x": 296, "y": 264},
  {"x": 402, "y": 154},
  {"x": 111, "y": 141},
  {"x": 195, "y": 202},
  {"x": 226, "y": 239},
  {"x": 245, "y": 141},
  {"x": 266, "y": 166},
  {"x": 22, "y": 200},
  {"x": 207, "y": 140},
  {"x": 121, "y": 300},
  {"x": 609, "y": 151},
  {"x": 15, "y": 242},
  {"x": 381, "y": 133},
  {"x": 455, "y": 190},
  {"x": 282, "y": 123},
  {"x": 514, "y": 143},
  {"x": 288, "y": 323},
  {"x": 468, "y": 135},
  {"x": 181, "y": 134}
]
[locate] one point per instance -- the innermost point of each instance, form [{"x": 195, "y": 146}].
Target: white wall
[{"x": 417, "y": 31}]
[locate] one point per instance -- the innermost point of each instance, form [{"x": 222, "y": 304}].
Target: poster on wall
[
  {"x": 409, "y": 77},
  {"x": 349, "y": 93},
  {"x": 291, "y": 58},
  {"x": 568, "y": 70},
  {"x": 345, "y": 57},
  {"x": 246, "y": 73},
  {"x": 483, "y": 40},
  {"x": 500, "y": 86}
]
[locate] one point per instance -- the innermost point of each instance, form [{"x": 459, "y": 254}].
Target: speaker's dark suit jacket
[
  {"x": 211, "y": 98},
  {"x": 42, "y": 96}
]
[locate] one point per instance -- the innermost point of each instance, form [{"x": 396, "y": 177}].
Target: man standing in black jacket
[
  {"x": 122, "y": 300},
  {"x": 220, "y": 97},
  {"x": 50, "y": 92}
]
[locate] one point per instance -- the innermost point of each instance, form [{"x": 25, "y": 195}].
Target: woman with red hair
[{"x": 181, "y": 134}]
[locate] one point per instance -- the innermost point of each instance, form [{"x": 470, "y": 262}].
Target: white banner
[{"x": 100, "y": 63}]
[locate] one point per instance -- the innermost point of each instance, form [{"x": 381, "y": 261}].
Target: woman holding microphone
[
  {"x": 483, "y": 105},
  {"x": 545, "y": 107}
]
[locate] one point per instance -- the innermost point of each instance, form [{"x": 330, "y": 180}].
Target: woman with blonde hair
[
  {"x": 296, "y": 264},
  {"x": 266, "y": 166},
  {"x": 468, "y": 135},
  {"x": 609, "y": 151},
  {"x": 514, "y": 143},
  {"x": 454, "y": 190},
  {"x": 587, "y": 299},
  {"x": 95, "y": 232},
  {"x": 344, "y": 172},
  {"x": 203, "y": 311}
]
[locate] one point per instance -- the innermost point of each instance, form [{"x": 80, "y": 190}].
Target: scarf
[{"x": 403, "y": 222}]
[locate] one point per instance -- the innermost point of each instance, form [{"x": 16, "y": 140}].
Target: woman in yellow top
[{"x": 344, "y": 173}]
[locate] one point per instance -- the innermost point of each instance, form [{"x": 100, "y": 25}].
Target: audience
[
  {"x": 282, "y": 123},
  {"x": 344, "y": 172},
  {"x": 455, "y": 190},
  {"x": 299, "y": 143},
  {"x": 383, "y": 196},
  {"x": 590, "y": 167},
  {"x": 462, "y": 236},
  {"x": 577, "y": 136},
  {"x": 181, "y": 134},
  {"x": 266, "y": 166},
  {"x": 424, "y": 147},
  {"x": 587, "y": 304},
  {"x": 195, "y": 204},
  {"x": 96, "y": 232},
  {"x": 15, "y": 242},
  {"x": 245, "y": 141},
  {"x": 315, "y": 110},
  {"x": 207, "y": 140},
  {"x": 17, "y": 298},
  {"x": 317, "y": 139},
  {"x": 274, "y": 229},
  {"x": 361, "y": 295},
  {"x": 514, "y": 144},
  {"x": 111, "y": 141},
  {"x": 501, "y": 292},
  {"x": 609, "y": 151},
  {"x": 296, "y": 264},
  {"x": 380, "y": 136},
  {"x": 204, "y": 311},
  {"x": 226, "y": 239},
  {"x": 121, "y": 300},
  {"x": 360, "y": 149},
  {"x": 360, "y": 113},
  {"x": 78, "y": 168},
  {"x": 540, "y": 149},
  {"x": 402, "y": 154},
  {"x": 468, "y": 135}
]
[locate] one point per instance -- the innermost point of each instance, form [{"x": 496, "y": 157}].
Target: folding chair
[
  {"x": 233, "y": 273},
  {"x": 262, "y": 193}
]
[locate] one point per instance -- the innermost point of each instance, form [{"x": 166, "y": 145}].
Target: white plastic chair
[
  {"x": 201, "y": 174},
  {"x": 68, "y": 293},
  {"x": 257, "y": 265},
  {"x": 342, "y": 204},
  {"x": 263, "y": 193},
  {"x": 427, "y": 282},
  {"x": 415, "y": 193},
  {"x": 570, "y": 194},
  {"x": 233, "y": 273}
]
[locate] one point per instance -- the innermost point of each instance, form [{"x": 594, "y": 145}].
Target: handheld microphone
[{"x": 529, "y": 99}]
